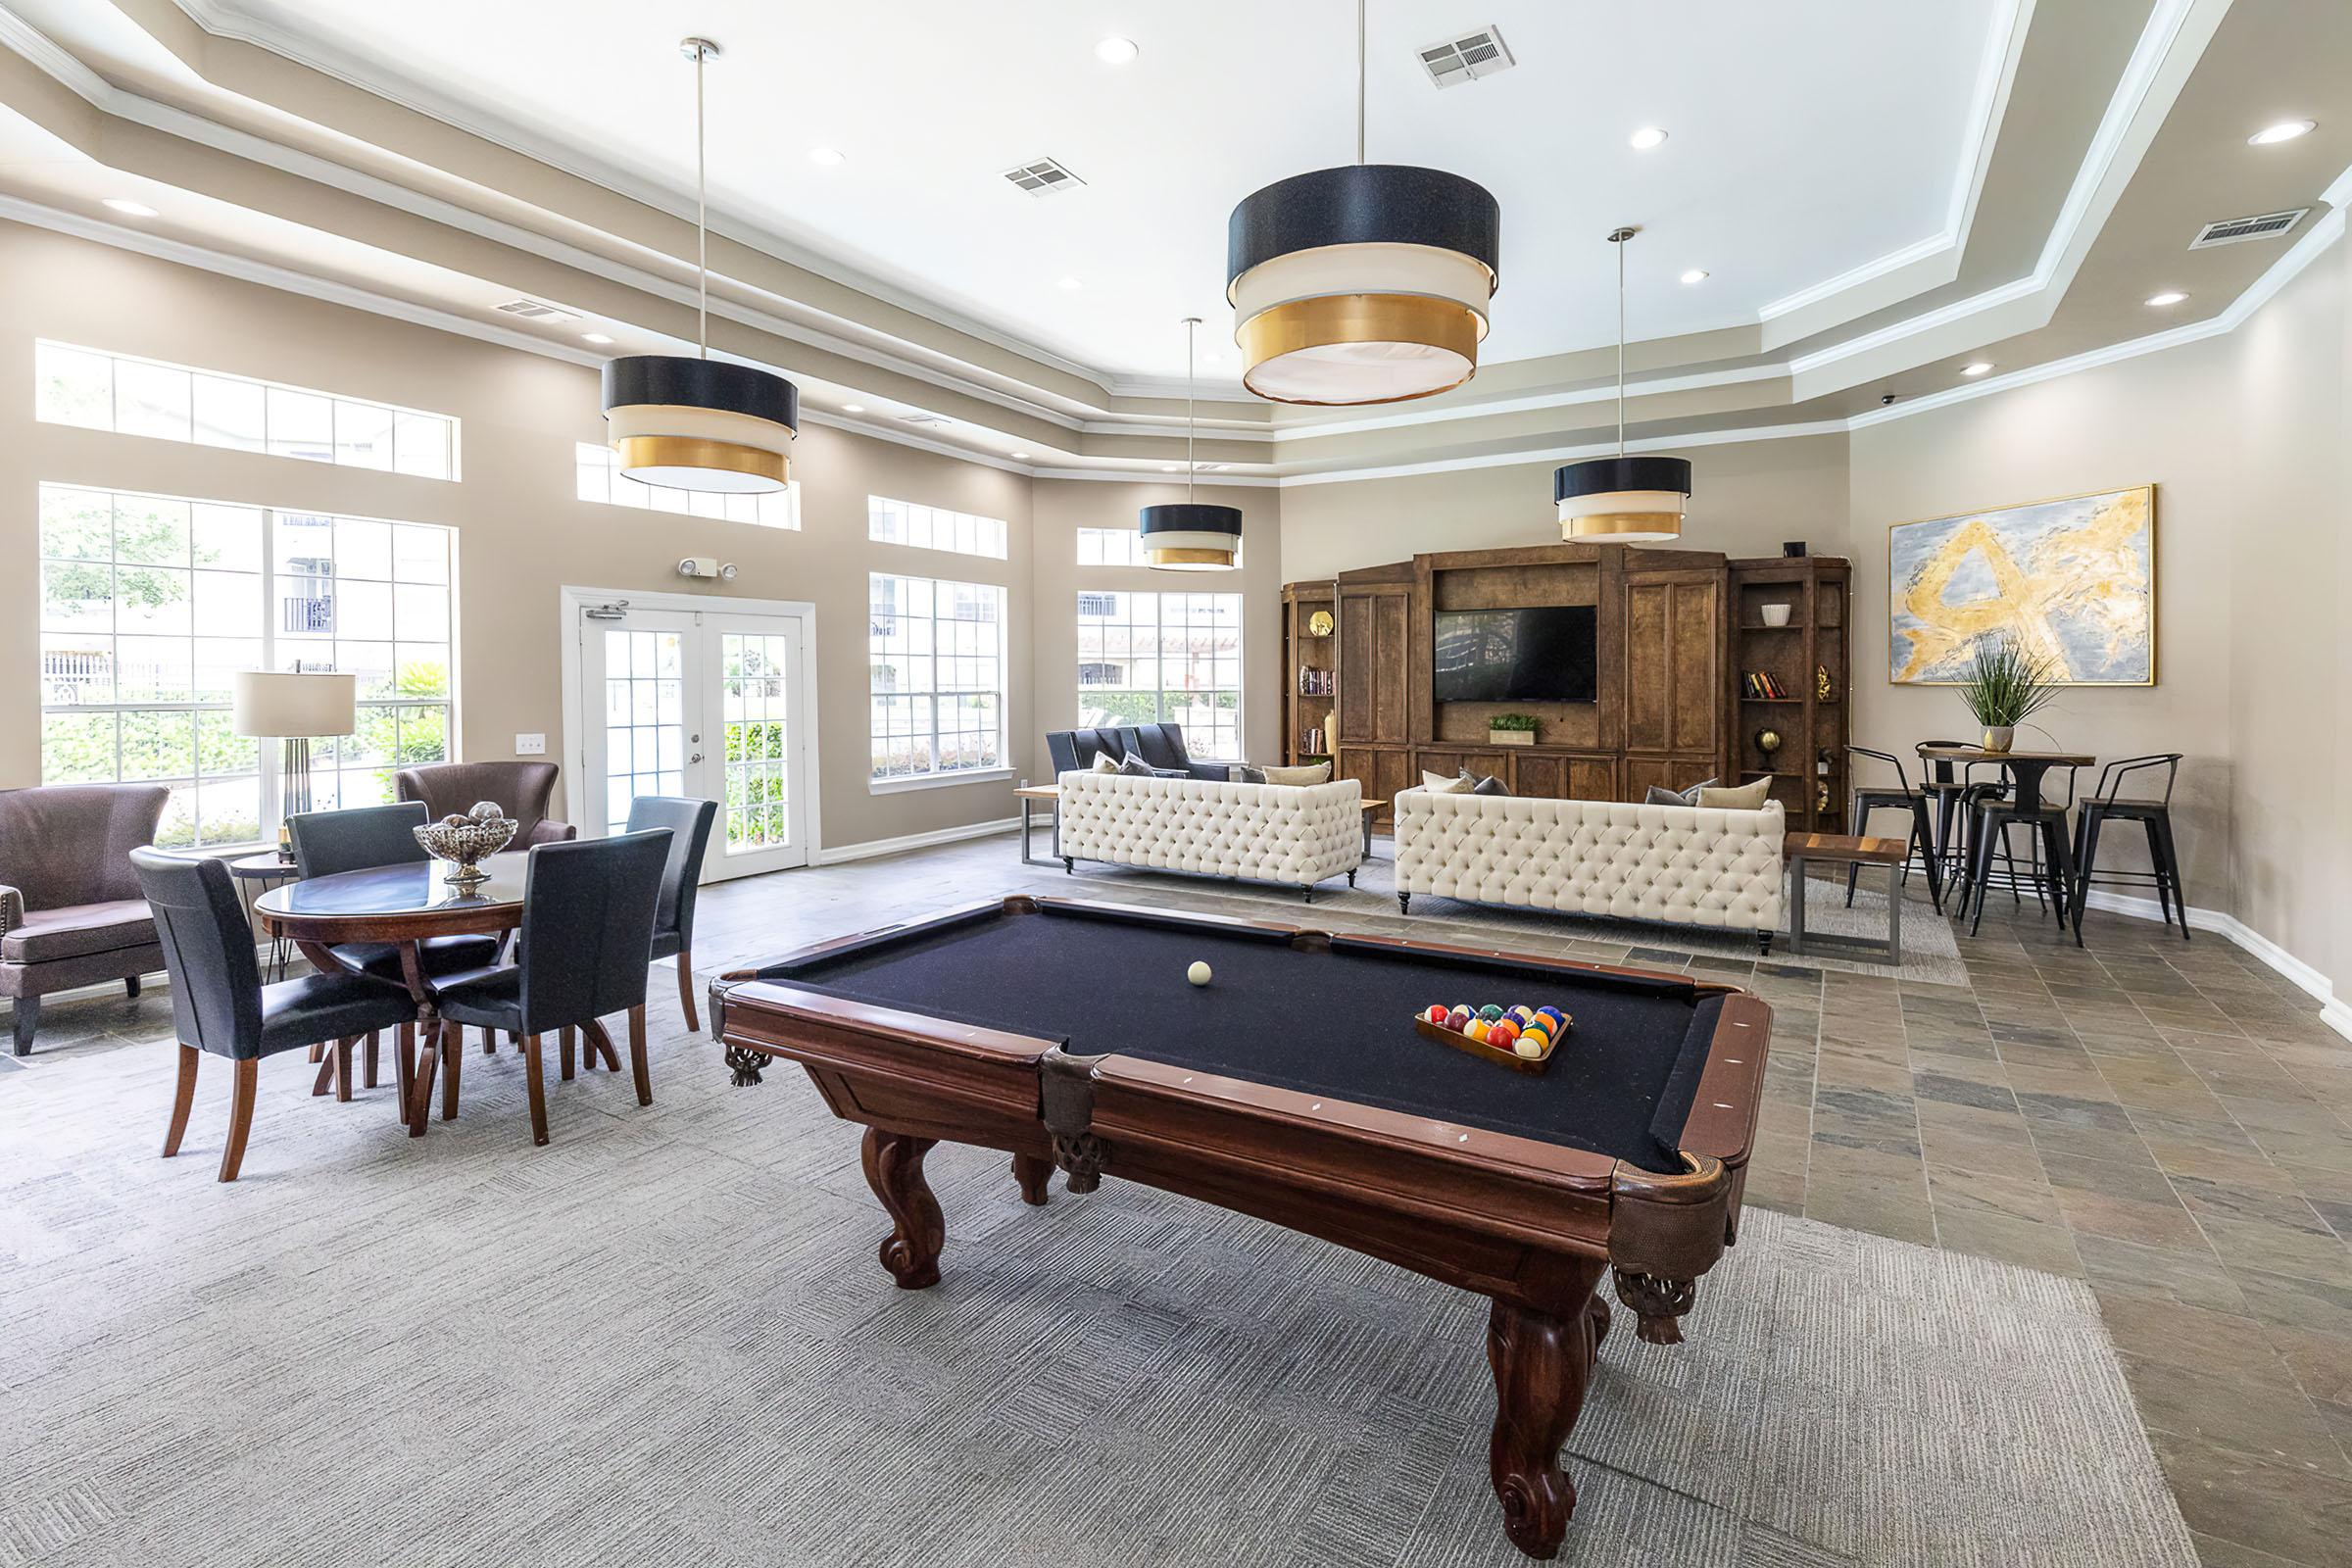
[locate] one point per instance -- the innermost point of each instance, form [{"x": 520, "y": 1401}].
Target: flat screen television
[{"x": 1516, "y": 655}]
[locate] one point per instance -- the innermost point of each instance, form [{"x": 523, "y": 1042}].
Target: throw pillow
[
  {"x": 1659, "y": 795},
  {"x": 1485, "y": 783},
  {"x": 1746, "y": 798},
  {"x": 1244, "y": 773},
  {"x": 1444, "y": 784},
  {"x": 1135, "y": 767},
  {"x": 1105, "y": 762},
  {"x": 1312, "y": 773}
]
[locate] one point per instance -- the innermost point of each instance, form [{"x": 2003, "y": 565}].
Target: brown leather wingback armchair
[
  {"x": 71, "y": 909},
  {"x": 522, "y": 788}
]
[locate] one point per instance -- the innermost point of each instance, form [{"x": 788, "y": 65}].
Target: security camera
[{"x": 1885, "y": 398}]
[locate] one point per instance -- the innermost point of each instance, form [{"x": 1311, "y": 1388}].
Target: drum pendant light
[
  {"x": 1190, "y": 535},
  {"x": 1365, "y": 284},
  {"x": 1621, "y": 500},
  {"x": 699, "y": 423}
]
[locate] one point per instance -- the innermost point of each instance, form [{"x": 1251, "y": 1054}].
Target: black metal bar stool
[
  {"x": 1955, "y": 791},
  {"x": 1867, "y": 799},
  {"x": 2053, "y": 862},
  {"x": 2155, "y": 818}
]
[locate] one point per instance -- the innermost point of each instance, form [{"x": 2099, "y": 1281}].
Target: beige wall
[
  {"x": 1065, "y": 506},
  {"x": 1747, "y": 497},
  {"x": 521, "y": 535}
]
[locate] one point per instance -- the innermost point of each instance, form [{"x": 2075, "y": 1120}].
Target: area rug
[
  {"x": 665, "y": 1339},
  {"x": 1931, "y": 955}
]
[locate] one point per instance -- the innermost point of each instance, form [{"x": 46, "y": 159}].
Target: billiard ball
[
  {"x": 1477, "y": 1029},
  {"x": 1537, "y": 1032},
  {"x": 1552, "y": 1014},
  {"x": 1490, "y": 1011},
  {"x": 1530, "y": 1047},
  {"x": 1435, "y": 1013},
  {"x": 1198, "y": 974},
  {"x": 1502, "y": 1031},
  {"x": 1459, "y": 1019}
]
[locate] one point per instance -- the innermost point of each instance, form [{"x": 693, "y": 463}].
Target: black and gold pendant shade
[
  {"x": 701, "y": 425},
  {"x": 1190, "y": 536},
  {"x": 1622, "y": 500},
  {"x": 1364, "y": 283}
]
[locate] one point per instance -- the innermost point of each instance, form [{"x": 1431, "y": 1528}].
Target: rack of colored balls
[{"x": 1524, "y": 1031}]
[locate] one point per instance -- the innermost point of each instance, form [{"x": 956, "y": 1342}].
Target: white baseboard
[
  {"x": 835, "y": 855},
  {"x": 2334, "y": 1011}
]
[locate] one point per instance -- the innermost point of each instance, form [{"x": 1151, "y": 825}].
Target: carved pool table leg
[
  {"x": 1035, "y": 1173},
  {"x": 1542, "y": 1364},
  {"x": 894, "y": 1169}
]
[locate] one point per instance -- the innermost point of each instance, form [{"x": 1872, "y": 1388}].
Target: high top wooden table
[
  {"x": 2026, "y": 769},
  {"x": 401, "y": 905}
]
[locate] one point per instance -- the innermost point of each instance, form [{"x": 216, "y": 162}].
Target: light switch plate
[{"x": 530, "y": 745}]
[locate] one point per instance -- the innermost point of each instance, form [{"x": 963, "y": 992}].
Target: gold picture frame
[{"x": 2082, "y": 595}]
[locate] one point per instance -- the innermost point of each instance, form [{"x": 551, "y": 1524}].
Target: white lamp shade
[{"x": 290, "y": 705}]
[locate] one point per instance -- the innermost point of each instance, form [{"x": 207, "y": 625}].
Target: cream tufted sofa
[
  {"x": 1681, "y": 865},
  {"x": 1295, "y": 834}
]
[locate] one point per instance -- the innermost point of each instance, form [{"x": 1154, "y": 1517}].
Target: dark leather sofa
[
  {"x": 1161, "y": 746},
  {"x": 71, "y": 909},
  {"x": 524, "y": 789}
]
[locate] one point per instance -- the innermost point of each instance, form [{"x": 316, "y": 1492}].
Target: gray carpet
[
  {"x": 1931, "y": 956},
  {"x": 665, "y": 1339}
]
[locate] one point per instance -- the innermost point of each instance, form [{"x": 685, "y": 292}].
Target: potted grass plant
[
  {"x": 1511, "y": 729},
  {"x": 2004, "y": 687}
]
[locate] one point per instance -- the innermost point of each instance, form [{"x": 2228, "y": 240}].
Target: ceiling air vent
[
  {"x": 926, "y": 419},
  {"x": 2234, "y": 230},
  {"x": 1042, "y": 177},
  {"x": 1466, "y": 58},
  {"x": 532, "y": 311}
]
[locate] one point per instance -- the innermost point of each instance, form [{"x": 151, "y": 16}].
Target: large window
[
  {"x": 148, "y": 603},
  {"x": 101, "y": 391},
  {"x": 903, "y": 522},
  {"x": 1164, "y": 659},
  {"x": 937, "y": 682},
  {"x": 598, "y": 478}
]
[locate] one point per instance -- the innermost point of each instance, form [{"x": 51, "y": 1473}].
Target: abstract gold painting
[{"x": 2071, "y": 581}]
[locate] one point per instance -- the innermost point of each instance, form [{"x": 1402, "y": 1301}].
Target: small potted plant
[
  {"x": 2005, "y": 687},
  {"x": 1511, "y": 729}
]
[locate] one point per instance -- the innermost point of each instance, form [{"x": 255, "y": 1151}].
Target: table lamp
[{"x": 294, "y": 706}]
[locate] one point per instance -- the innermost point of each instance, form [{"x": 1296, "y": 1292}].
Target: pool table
[{"x": 1294, "y": 1086}]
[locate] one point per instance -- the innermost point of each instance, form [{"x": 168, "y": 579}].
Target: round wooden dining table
[{"x": 402, "y": 905}]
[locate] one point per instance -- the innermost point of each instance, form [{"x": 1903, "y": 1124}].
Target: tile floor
[{"x": 2169, "y": 1121}]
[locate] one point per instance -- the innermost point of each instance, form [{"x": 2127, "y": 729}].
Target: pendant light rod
[
  {"x": 700, "y": 51},
  {"x": 1359, "y": 81},
  {"x": 1192, "y": 327},
  {"x": 1618, "y": 237}
]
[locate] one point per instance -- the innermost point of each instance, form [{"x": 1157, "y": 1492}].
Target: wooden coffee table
[
  {"x": 1373, "y": 806},
  {"x": 1839, "y": 849}
]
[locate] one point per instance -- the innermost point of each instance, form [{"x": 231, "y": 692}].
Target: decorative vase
[
  {"x": 465, "y": 842},
  {"x": 1998, "y": 736},
  {"x": 1773, "y": 615}
]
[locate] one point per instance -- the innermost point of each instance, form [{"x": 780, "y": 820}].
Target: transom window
[
  {"x": 130, "y": 396},
  {"x": 148, "y": 603},
  {"x": 1164, "y": 659},
  {"x": 937, "y": 678},
  {"x": 904, "y": 523},
  {"x": 600, "y": 479}
]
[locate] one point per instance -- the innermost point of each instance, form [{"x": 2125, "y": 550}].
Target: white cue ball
[
  {"x": 1528, "y": 1049},
  {"x": 1198, "y": 974}
]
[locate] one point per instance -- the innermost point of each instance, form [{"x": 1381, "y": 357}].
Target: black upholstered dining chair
[
  {"x": 689, "y": 823},
  {"x": 219, "y": 1002},
  {"x": 587, "y": 927}
]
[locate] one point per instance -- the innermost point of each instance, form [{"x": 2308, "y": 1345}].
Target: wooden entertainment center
[{"x": 1677, "y": 632}]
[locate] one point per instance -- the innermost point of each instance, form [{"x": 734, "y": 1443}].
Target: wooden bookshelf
[
  {"x": 1310, "y": 666},
  {"x": 1813, "y": 728}
]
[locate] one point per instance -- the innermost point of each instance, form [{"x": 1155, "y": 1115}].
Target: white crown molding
[{"x": 1570, "y": 454}]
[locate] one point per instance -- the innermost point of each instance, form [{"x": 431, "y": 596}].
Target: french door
[{"x": 698, "y": 702}]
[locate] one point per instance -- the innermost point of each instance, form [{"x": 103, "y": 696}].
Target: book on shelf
[
  {"x": 1315, "y": 682},
  {"x": 1761, "y": 685}
]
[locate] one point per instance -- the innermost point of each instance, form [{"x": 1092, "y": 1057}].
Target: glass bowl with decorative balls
[{"x": 466, "y": 841}]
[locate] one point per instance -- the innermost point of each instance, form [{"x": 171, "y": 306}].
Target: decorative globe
[{"x": 1767, "y": 740}]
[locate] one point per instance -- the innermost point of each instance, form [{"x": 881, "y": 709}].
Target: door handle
[{"x": 695, "y": 758}]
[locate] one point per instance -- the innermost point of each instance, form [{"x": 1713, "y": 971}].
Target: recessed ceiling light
[
  {"x": 1646, "y": 137},
  {"x": 597, "y": 338},
  {"x": 1977, "y": 369},
  {"x": 825, "y": 157},
  {"x": 128, "y": 208},
  {"x": 2171, "y": 296},
  {"x": 1116, "y": 51},
  {"x": 1069, "y": 282},
  {"x": 2285, "y": 130},
  {"x": 853, "y": 407},
  {"x": 1020, "y": 456},
  {"x": 1696, "y": 275}
]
